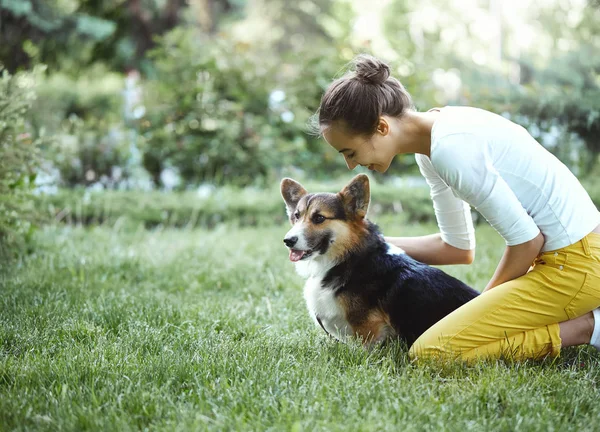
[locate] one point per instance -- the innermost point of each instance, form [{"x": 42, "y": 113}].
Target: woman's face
[{"x": 375, "y": 153}]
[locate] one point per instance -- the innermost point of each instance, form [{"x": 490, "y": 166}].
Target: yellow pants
[{"x": 519, "y": 319}]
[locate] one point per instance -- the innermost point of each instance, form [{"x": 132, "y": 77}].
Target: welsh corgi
[{"x": 357, "y": 284}]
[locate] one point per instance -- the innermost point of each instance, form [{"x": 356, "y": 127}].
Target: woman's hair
[{"x": 361, "y": 96}]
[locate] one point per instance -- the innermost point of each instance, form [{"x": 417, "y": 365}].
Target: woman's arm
[
  {"x": 432, "y": 250},
  {"x": 516, "y": 261},
  {"x": 479, "y": 183},
  {"x": 455, "y": 243}
]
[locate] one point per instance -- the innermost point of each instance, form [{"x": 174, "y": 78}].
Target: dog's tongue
[{"x": 296, "y": 255}]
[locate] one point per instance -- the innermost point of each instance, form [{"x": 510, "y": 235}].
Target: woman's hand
[{"x": 516, "y": 261}]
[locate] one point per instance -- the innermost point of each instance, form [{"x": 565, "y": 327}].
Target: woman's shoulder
[
  {"x": 463, "y": 123},
  {"x": 451, "y": 120},
  {"x": 456, "y": 154},
  {"x": 456, "y": 119}
]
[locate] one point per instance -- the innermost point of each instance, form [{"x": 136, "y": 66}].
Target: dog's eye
[
  {"x": 297, "y": 215},
  {"x": 317, "y": 219}
]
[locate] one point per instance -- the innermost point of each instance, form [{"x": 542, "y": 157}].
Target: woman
[{"x": 545, "y": 290}]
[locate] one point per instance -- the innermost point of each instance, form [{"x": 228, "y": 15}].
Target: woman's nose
[{"x": 351, "y": 165}]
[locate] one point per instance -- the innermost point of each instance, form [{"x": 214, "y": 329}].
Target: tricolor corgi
[{"x": 356, "y": 283}]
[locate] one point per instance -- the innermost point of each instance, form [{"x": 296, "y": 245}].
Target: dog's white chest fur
[{"x": 323, "y": 305}]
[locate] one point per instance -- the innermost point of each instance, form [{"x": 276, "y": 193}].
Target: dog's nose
[{"x": 290, "y": 241}]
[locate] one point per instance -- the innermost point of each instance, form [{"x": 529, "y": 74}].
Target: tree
[
  {"x": 566, "y": 87},
  {"x": 38, "y": 30},
  {"x": 70, "y": 34}
]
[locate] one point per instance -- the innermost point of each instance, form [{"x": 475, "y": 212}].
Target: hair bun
[{"x": 370, "y": 69}]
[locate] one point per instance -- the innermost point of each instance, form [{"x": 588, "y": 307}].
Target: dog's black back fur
[{"x": 414, "y": 295}]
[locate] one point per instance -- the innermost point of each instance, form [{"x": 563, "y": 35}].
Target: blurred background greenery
[{"x": 105, "y": 105}]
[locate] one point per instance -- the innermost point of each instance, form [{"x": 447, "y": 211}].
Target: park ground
[{"x": 115, "y": 328}]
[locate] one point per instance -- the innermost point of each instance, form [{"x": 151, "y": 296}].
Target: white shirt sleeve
[
  {"x": 453, "y": 214},
  {"x": 466, "y": 166}
]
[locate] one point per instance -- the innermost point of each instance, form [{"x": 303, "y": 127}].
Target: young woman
[{"x": 545, "y": 290}]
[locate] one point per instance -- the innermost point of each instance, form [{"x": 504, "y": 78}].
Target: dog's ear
[
  {"x": 292, "y": 192},
  {"x": 356, "y": 196}
]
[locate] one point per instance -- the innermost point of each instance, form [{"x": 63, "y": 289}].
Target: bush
[
  {"x": 18, "y": 160},
  {"x": 93, "y": 93},
  {"x": 221, "y": 111},
  {"x": 90, "y": 151},
  {"x": 234, "y": 206},
  {"x": 85, "y": 117},
  {"x": 592, "y": 186}
]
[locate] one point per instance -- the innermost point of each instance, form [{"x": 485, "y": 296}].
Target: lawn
[{"x": 118, "y": 328}]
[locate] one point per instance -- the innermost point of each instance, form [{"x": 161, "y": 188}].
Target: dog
[{"x": 357, "y": 284}]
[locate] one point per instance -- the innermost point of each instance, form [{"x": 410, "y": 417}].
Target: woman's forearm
[
  {"x": 516, "y": 261},
  {"x": 432, "y": 250}
]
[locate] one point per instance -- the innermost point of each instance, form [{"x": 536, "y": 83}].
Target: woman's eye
[
  {"x": 351, "y": 156},
  {"x": 318, "y": 218}
]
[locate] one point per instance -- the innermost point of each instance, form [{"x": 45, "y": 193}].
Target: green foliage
[
  {"x": 563, "y": 92},
  {"x": 230, "y": 88},
  {"x": 151, "y": 209},
  {"x": 89, "y": 151},
  {"x": 39, "y": 30},
  {"x": 232, "y": 206},
  {"x": 106, "y": 329},
  {"x": 18, "y": 160},
  {"x": 564, "y": 98},
  {"x": 248, "y": 207},
  {"x": 204, "y": 117},
  {"x": 220, "y": 111},
  {"x": 226, "y": 110},
  {"x": 49, "y": 17},
  {"x": 94, "y": 94},
  {"x": 592, "y": 186},
  {"x": 84, "y": 117}
]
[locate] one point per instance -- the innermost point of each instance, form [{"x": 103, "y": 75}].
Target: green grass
[{"x": 107, "y": 328}]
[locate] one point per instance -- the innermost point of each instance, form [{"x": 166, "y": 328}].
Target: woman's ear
[{"x": 383, "y": 127}]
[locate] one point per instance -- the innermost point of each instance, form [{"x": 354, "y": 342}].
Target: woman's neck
[{"x": 414, "y": 132}]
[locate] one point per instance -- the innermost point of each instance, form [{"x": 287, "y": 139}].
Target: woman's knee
[{"x": 426, "y": 347}]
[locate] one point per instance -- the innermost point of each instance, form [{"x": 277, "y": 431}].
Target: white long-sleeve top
[{"x": 484, "y": 160}]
